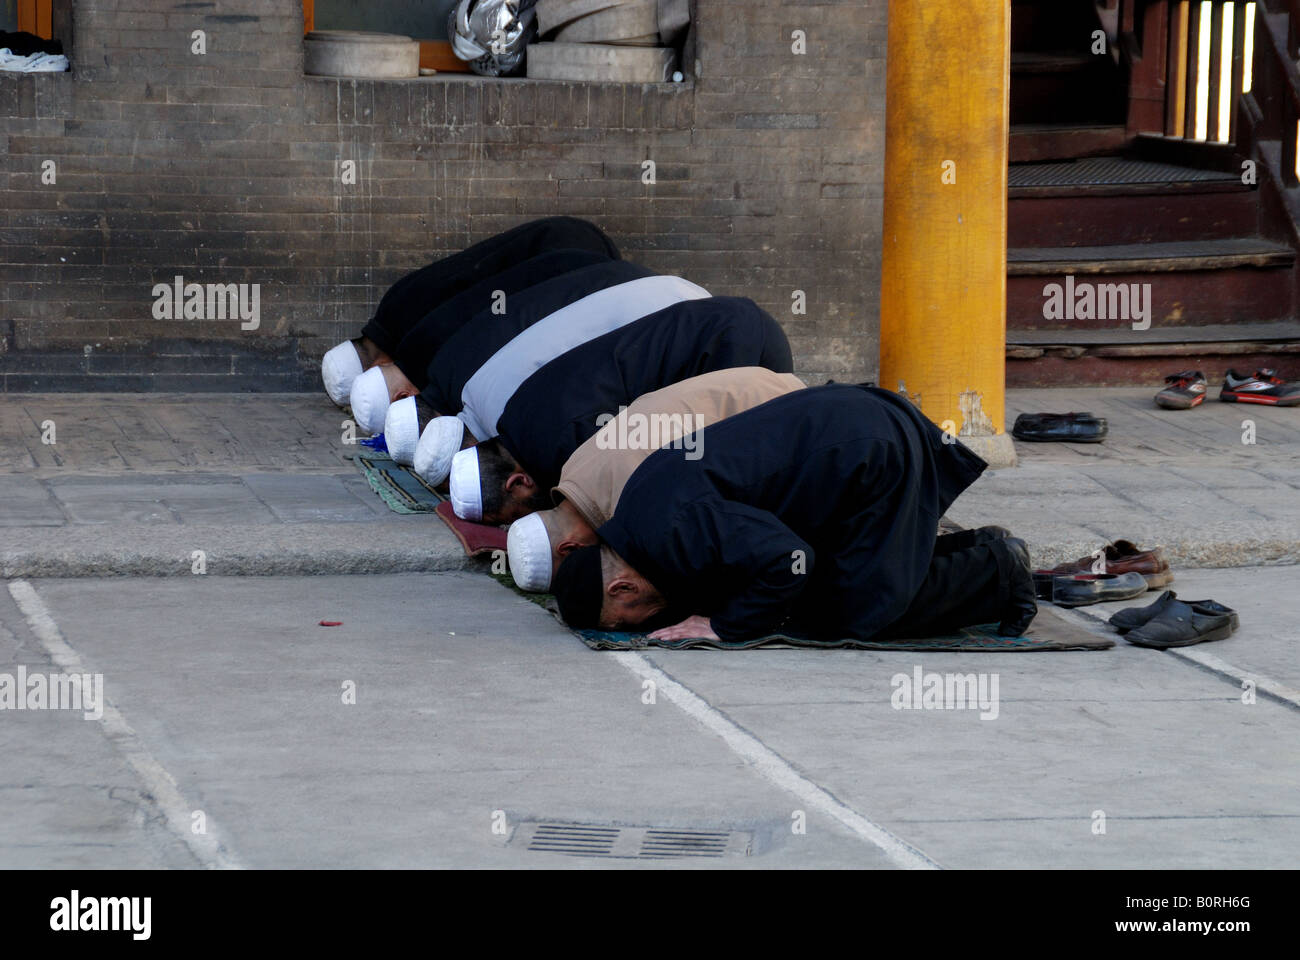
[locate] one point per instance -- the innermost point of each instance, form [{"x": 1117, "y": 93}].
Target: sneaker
[
  {"x": 1185, "y": 390},
  {"x": 1265, "y": 386},
  {"x": 47, "y": 63}
]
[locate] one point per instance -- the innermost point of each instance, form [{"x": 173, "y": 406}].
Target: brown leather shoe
[{"x": 1124, "y": 556}]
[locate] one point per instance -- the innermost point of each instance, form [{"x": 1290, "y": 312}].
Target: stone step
[
  {"x": 354, "y": 53},
  {"x": 637, "y": 18},
  {"x": 600, "y": 62},
  {"x": 557, "y": 13}
]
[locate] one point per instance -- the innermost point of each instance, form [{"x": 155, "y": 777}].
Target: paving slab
[
  {"x": 67, "y": 802},
  {"x": 1268, "y": 604},
  {"x": 388, "y": 545},
  {"x": 236, "y": 690},
  {"x": 1185, "y": 774},
  {"x": 136, "y": 485},
  {"x": 96, "y": 434},
  {"x": 25, "y": 502},
  {"x": 1181, "y": 479},
  {"x": 299, "y": 499}
]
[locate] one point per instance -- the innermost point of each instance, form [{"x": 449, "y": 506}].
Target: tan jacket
[{"x": 594, "y": 477}]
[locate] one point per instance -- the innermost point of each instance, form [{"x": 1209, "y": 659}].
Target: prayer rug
[
  {"x": 478, "y": 539},
  {"x": 398, "y": 486},
  {"x": 1049, "y": 631}
]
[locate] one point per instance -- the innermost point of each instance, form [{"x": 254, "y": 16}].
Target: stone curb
[{"x": 251, "y": 550}]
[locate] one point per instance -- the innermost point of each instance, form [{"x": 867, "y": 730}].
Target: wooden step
[
  {"x": 1120, "y": 172},
  {"x": 1032, "y": 142},
  {"x": 1191, "y": 255},
  {"x": 1116, "y": 200},
  {"x": 1192, "y": 283},
  {"x": 1051, "y": 23},
  {"x": 1202, "y": 154},
  {"x": 1030, "y": 62},
  {"x": 1137, "y": 216},
  {"x": 1157, "y": 341},
  {"x": 1135, "y": 357},
  {"x": 1053, "y": 86}
]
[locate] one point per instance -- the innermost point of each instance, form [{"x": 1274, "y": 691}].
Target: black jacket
[
  {"x": 821, "y": 506},
  {"x": 555, "y": 410},
  {"x": 414, "y": 295},
  {"x": 487, "y": 332},
  {"x": 422, "y": 343}
]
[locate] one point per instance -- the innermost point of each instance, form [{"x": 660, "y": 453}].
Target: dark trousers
[
  {"x": 968, "y": 583},
  {"x": 413, "y": 296}
]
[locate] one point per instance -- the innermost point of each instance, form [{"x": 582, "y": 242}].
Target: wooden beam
[
  {"x": 1238, "y": 66},
  {"x": 437, "y": 55},
  {"x": 1176, "y": 113},
  {"x": 1193, "y": 68},
  {"x": 1215, "y": 100}
]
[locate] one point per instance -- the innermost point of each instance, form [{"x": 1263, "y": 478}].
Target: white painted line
[
  {"x": 1266, "y": 685},
  {"x": 1271, "y": 688},
  {"x": 207, "y": 847},
  {"x": 773, "y": 768}
]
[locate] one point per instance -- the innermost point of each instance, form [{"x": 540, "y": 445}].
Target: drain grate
[{"x": 623, "y": 842}]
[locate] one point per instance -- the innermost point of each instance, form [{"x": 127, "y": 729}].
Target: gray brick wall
[{"x": 225, "y": 168}]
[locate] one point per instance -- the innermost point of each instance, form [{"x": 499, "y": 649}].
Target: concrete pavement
[
  {"x": 1184, "y": 479},
  {"x": 462, "y": 722},
  {"x": 478, "y": 718},
  {"x": 135, "y": 484}
]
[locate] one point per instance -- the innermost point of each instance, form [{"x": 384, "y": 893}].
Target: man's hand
[{"x": 692, "y": 628}]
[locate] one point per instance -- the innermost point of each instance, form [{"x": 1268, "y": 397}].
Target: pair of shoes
[
  {"x": 1123, "y": 556},
  {"x": 1082, "y": 589},
  {"x": 1070, "y": 427},
  {"x": 1021, "y": 606},
  {"x": 32, "y": 63},
  {"x": 1185, "y": 390},
  {"x": 1170, "y": 622},
  {"x": 1263, "y": 386}
]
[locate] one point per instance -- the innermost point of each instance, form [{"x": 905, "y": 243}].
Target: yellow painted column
[{"x": 944, "y": 271}]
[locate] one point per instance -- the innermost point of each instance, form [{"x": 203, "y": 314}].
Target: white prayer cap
[
  {"x": 438, "y": 444},
  {"x": 402, "y": 430},
  {"x": 466, "y": 493},
  {"x": 338, "y": 368},
  {"x": 529, "y": 549},
  {"x": 370, "y": 400}
]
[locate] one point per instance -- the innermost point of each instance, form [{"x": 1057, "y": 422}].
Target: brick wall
[{"x": 225, "y": 168}]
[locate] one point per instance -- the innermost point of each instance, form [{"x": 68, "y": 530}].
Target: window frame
[{"x": 37, "y": 16}]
